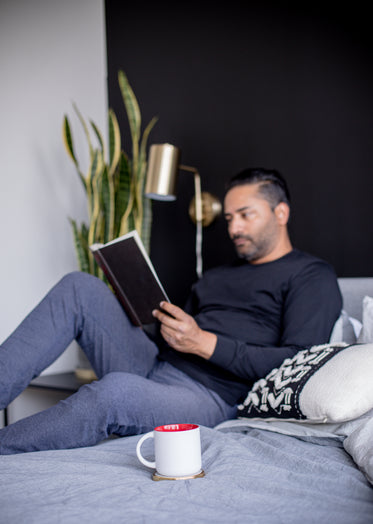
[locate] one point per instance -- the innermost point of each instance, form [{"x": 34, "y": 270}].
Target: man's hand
[{"x": 182, "y": 332}]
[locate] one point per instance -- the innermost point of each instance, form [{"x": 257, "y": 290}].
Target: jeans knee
[
  {"x": 107, "y": 392},
  {"x": 119, "y": 386},
  {"x": 83, "y": 286},
  {"x": 77, "y": 278},
  {"x": 113, "y": 382}
]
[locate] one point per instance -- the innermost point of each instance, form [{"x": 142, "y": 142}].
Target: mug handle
[{"x": 138, "y": 452}]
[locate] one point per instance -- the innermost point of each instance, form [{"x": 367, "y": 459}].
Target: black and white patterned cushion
[{"x": 327, "y": 383}]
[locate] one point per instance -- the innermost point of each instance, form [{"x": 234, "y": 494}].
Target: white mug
[{"x": 177, "y": 449}]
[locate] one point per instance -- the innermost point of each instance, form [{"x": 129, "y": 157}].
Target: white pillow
[
  {"x": 366, "y": 334},
  {"x": 329, "y": 383},
  {"x": 359, "y": 445},
  {"x": 346, "y": 329}
]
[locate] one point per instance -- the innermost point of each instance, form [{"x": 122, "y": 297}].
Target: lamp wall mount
[{"x": 211, "y": 208}]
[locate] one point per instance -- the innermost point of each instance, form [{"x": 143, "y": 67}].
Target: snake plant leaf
[
  {"x": 99, "y": 137},
  {"x": 145, "y": 137},
  {"x": 84, "y": 234},
  {"x": 69, "y": 146},
  {"x": 94, "y": 170},
  {"x": 108, "y": 205},
  {"x": 85, "y": 128},
  {"x": 96, "y": 198},
  {"x": 80, "y": 240},
  {"x": 146, "y": 223},
  {"x": 138, "y": 192},
  {"x": 114, "y": 142},
  {"x": 105, "y": 193},
  {"x": 127, "y": 222},
  {"x": 123, "y": 192},
  {"x": 130, "y": 223},
  {"x": 133, "y": 112},
  {"x": 68, "y": 139}
]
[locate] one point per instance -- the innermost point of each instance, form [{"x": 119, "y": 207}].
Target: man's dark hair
[{"x": 272, "y": 185}]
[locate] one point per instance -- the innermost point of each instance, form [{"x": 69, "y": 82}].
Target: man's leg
[
  {"x": 79, "y": 307},
  {"x": 119, "y": 403}
]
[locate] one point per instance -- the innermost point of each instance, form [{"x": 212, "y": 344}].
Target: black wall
[{"x": 255, "y": 84}]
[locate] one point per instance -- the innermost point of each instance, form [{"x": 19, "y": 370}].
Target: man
[{"x": 241, "y": 320}]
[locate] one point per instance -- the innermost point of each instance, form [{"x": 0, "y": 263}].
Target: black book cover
[{"x": 130, "y": 272}]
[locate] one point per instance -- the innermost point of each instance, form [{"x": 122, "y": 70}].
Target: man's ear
[{"x": 282, "y": 213}]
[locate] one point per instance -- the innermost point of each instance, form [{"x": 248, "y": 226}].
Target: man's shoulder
[
  {"x": 304, "y": 258},
  {"x": 305, "y": 265}
]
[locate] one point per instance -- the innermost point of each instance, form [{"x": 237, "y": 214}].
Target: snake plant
[{"x": 114, "y": 182}]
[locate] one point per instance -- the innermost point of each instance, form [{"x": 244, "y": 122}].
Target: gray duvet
[{"x": 252, "y": 476}]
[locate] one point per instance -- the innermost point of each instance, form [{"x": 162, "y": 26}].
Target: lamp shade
[{"x": 163, "y": 165}]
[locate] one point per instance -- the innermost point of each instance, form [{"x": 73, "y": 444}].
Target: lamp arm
[
  {"x": 197, "y": 189},
  {"x": 198, "y": 205}
]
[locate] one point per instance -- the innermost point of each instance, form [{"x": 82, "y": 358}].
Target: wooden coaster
[
  {"x": 85, "y": 375},
  {"x": 157, "y": 476}
]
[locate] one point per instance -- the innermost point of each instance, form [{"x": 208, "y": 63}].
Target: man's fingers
[{"x": 174, "y": 312}]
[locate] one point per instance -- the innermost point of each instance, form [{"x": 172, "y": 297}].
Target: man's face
[{"x": 252, "y": 225}]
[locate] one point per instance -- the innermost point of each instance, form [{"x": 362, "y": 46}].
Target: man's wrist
[{"x": 207, "y": 344}]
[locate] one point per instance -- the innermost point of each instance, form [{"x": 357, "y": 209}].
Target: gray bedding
[{"x": 253, "y": 475}]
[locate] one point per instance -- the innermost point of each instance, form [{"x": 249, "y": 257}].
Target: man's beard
[{"x": 255, "y": 250}]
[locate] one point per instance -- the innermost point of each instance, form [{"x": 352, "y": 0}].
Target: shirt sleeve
[{"x": 312, "y": 304}]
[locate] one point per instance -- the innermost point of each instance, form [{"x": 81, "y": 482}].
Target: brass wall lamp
[{"x": 161, "y": 181}]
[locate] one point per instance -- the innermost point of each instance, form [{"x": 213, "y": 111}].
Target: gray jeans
[{"x": 135, "y": 391}]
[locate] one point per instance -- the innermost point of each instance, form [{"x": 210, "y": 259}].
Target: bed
[{"x": 257, "y": 470}]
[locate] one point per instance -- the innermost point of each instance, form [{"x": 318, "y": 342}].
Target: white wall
[{"x": 52, "y": 52}]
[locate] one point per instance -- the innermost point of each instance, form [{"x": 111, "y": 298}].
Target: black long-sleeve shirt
[{"x": 261, "y": 315}]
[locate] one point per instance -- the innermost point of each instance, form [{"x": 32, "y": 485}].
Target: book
[{"x": 132, "y": 276}]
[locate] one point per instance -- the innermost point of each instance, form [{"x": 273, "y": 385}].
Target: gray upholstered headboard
[{"x": 353, "y": 291}]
